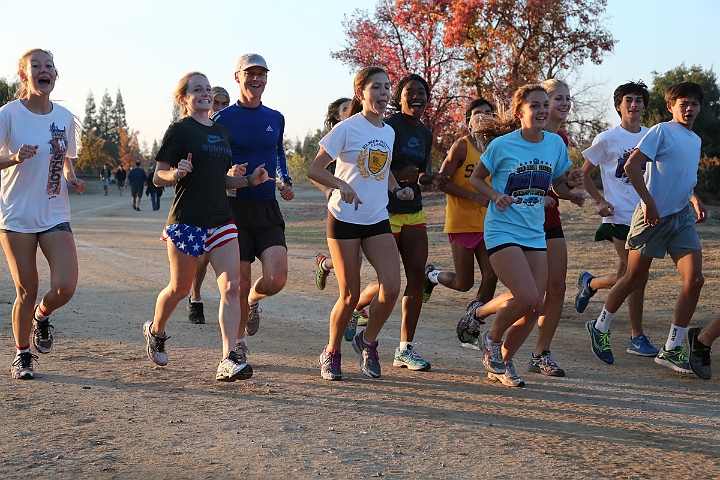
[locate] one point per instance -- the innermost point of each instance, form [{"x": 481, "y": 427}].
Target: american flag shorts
[{"x": 195, "y": 240}]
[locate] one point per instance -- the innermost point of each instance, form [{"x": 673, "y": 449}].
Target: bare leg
[
  {"x": 689, "y": 266},
  {"x": 21, "y": 251},
  {"x": 381, "y": 252},
  {"x": 225, "y": 261},
  {"x": 347, "y": 271},
  {"x": 182, "y": 270},
  {"x": 413, "y": 247},
  {"x": 200, "y": 272},
  {"x": 555, "y": 294}
]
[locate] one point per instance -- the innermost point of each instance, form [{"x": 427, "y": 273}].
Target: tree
[
  {"x": 128, "y": 147},
  {"x": 92, "y": 155},
  {"x": 106, "y": 126},
  {"x": 90, "y": 120},
  {"x": 508, "y": 43},
  {"x": 707, "y": 123},
  {"x": 405, "y": 37},
  {"x": 7, "y": 90},
  {"x": 118, "y": 114}
]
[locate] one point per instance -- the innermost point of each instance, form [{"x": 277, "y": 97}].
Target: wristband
[
  {"x": 568, "y": 185},
  {"x": 248, "y": 179},
  {"x": 396, "y": 189}
]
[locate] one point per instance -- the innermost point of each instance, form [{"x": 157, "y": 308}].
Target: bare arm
[
  {"x": 453, "y": 161},
  {"x": 604, "y": 208},
  {"x": 633, "y": 169}
]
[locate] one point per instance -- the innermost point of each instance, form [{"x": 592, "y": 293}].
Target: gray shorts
[
  {"x": 60, "y": 227},
  {"x": 673, "y": 234}
]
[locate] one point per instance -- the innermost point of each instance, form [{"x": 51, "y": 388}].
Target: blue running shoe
[
  {"x": 641, "y": 346},
  {"x": 410, "y": 359},
  {"x": 600, "y": 342},
  {"x": 351, "y": 329},
  {"x": 584, "y": 293}
]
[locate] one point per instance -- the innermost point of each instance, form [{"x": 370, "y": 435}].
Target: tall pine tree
[
  {"x": 90, "y": 120},
  {"x": 119, "y": 112},
  {"x": 106, "y": 126}
]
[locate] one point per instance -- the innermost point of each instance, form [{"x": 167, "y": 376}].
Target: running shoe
[
  {"x": 410, "y": 359},
  {"x": 253, "y": 323},
  {"x": 351, "y": 328},
  {"x": 468, "y": 328},
  {"x": 545, "y": 364},
  {"x": 233, "y": 368},
  {"x": 369, "y": 358},
  {"x": 641, "y": 346},
  {"x": 428, "y": 288},
  {"x": 362, "y": 317},
  {"x": 42, "y": 338},
  {"x": 155, "y": 345},
  {"x": 675, "y": 359},
  {"x": 241, "y": 351},
  {"x": 509, "y": 378},
  {"x": 699, "y": 354},
  {"x": 492, "y": 354},
  {"x": 584, "y": 293},
  {"x": 322, "y": 274},
  {"x": 22, "y": 366},
  {"x": 196, "y": 314},
  {"x": 330, "y": 365},
  {"x": 599, "y": 342}
]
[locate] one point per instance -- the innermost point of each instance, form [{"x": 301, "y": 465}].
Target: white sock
[
  {"x": 404, "y": 345},
  {"x": 195, "y": 301},
  {"x": 433, "y": 276},
  {"x": 323, "y": 266},
  {"x": 241, "y": 340},
  {"x": 675, "y": 337},
  {"x": 602, "y": 323}
]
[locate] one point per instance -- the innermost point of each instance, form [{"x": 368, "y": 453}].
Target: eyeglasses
[{"x": 248, "y": 74}]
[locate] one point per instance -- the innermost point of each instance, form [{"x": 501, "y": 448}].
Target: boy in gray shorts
[{"x": 663, "y": 223}]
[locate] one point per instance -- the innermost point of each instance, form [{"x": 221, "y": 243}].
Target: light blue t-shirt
[
  {"x": 671, "y": 173},
  {"x": 522, "y": 170}
]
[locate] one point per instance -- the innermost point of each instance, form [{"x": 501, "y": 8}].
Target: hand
[
  {"x": 550, "y": 202},
  {"x": 348, "y": 195},
  {"x": 504, "y": 201},
  {"x": 238, "y": 170},
  {"x": 260, "y": 175},
  {"x": 577, "y": 198},
  {"x": 184, "y": 166},
  {"x": 25, "y": 152},
  {"x": 286, "y": 192},
  {"x": 77, "y": 184},
  {"x": 576, "y": 177},
  {"x": 605, "y": 208},
  {"x": 405, "y": 194},
  {"x": 440, "y": 180},
  {"x": 480, "y": 199},
  {"x": 651, "y": 216},
  {"x": 407, "y": 174},
  {"x": 701, "y": 210}
]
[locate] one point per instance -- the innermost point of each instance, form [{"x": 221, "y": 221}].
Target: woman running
[
  {"x": 524, "y": 164},
  {"x": 358, "y": 219},
  {"x": 196, "y": 154},
  {"x": 37, "y": 141}
]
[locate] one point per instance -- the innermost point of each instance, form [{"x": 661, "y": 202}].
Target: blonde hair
[
  {"x": 181, "y": 90},
  {"x": 22, "y": 90},
  {"x": 552, "y": 84}
]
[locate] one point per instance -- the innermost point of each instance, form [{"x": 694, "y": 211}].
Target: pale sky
[{"x": 144, "y": 47}]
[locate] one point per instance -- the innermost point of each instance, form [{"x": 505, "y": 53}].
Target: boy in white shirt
[{"x": 663, "y": 222}]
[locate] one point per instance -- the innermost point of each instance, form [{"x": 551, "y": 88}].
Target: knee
[
  {"x": 464, "y": 286},
  {"x": 529, "y": 301},
  {"x": 276, "y": 282},
  {"x": 556, "y": 289},
  {"x": 390, "y": 290},
  {"x": 696, "y": 282},
  {"x": 229, "y": 289},
  {"x": 27, "y": 291}
]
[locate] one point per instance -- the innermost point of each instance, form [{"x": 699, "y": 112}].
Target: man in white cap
[{"x": 257, "y": 139}]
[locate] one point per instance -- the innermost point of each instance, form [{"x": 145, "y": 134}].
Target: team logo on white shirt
[
  {"x": 58, "y": 148},
  {"x": 372, "y": 162}
]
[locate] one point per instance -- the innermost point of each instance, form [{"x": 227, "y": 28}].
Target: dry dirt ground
[{"x": 100, "y": 409}]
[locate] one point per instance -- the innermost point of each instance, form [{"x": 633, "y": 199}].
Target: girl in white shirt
[
  {"x": 358, "y": 218},
  {"x": 37, "y": 140}
]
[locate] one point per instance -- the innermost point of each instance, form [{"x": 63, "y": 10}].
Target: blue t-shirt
[
  {"x": 257, "y": 138},
  {"x": 137, "y": 177},
  {"x": 522, "y": 170}
]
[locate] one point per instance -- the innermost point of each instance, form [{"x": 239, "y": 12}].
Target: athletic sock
[
  {"x": 22, "y": 349},
  {"x": 603, "y": 321},
  {"x": 675, "y": 337},
  {"x": 40, "y": 315},
  {"x": 433, "y": 276},
  {"x": 323, "y": 266},
  {"x": 404, "y": 345},
  {"x": 242, "y": 340}
]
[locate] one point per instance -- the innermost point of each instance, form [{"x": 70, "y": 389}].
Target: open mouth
[{"x": 44, "y": 81}]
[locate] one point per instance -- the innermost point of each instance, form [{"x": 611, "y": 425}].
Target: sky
[{"x": 144, "y": 47}]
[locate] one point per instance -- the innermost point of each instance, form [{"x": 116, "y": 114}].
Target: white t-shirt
[
  {"x": 671, "y": 173},
  {"x": 610, "y": 151},
  {"x": 363, "y": 153},
  {"x": 33, "y": 194}
]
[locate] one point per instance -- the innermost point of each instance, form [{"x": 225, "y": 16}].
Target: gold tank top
[{"x": 461, "y": 214}]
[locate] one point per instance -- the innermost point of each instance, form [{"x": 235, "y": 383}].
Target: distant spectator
[
  {"x": 105, "y": 178},
  {"x": 120, "y": 177},
  {"x": 136, "y": 178}
]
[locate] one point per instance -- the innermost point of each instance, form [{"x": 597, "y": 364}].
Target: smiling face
[
  {"x": 413, "y": 99},
  {"x": 631, "y": 108},
  {"x": 198, "y": 98},
  {"x": 38, "y": 73},
  {"x": 343, "y": 111},
  {"x": 560, "y": 103},
  {"x": 252, "y": 83},
  {"x": 534, "y": 111},
  {"x": 685, "y": 111},
  {"x": 375, "y": 94}
]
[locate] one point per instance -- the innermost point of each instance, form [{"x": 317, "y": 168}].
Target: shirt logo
[
  {"x": 530, "y": 181},
  {"x": 372, "y": 162},
  {"x": 58, "y": 148},
  {"x": 214, "y": 139},
  {"x": 413, "y": 142},
  {"x": 269, "y": 129}
]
